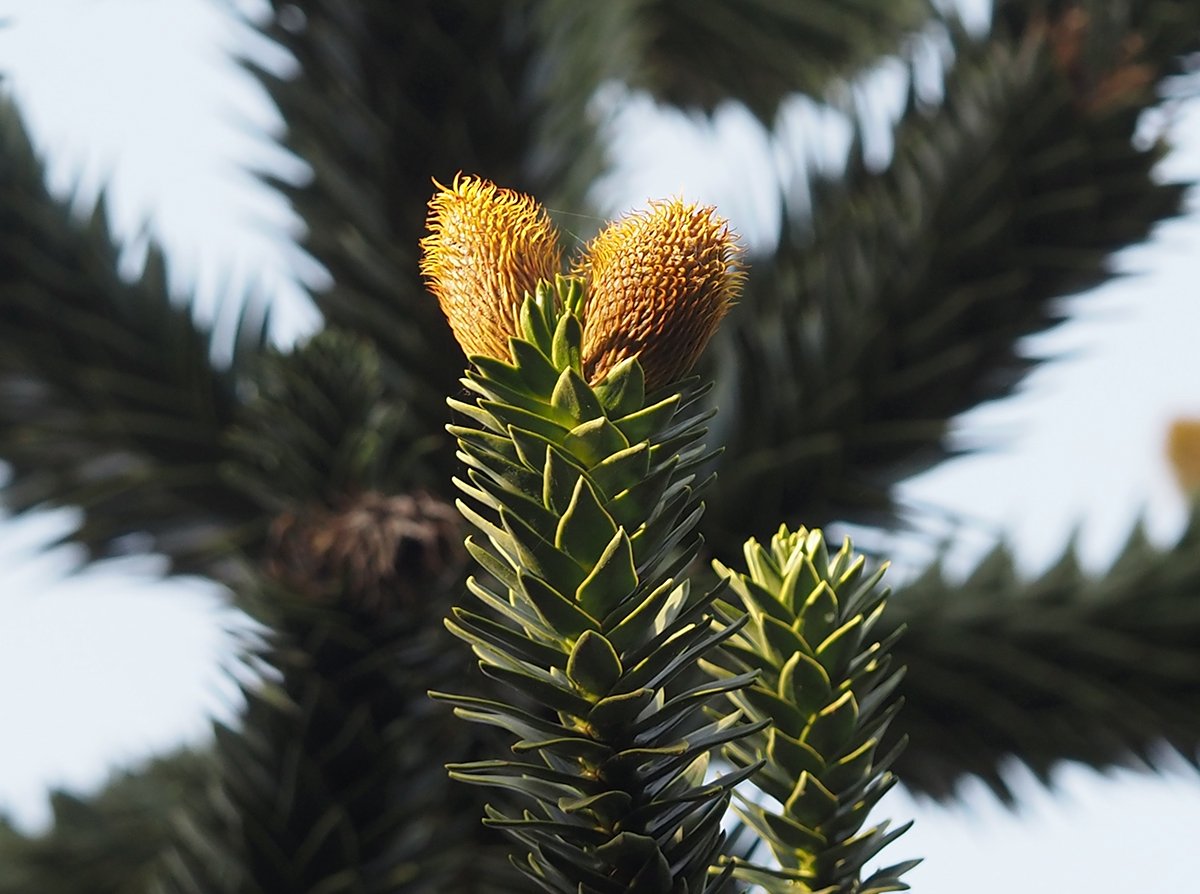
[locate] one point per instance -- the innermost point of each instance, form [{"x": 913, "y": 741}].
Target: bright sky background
[{"x": 112, "y": 664}]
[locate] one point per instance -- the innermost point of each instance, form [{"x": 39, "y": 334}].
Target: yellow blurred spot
[{"x": 1183, "y": 449}]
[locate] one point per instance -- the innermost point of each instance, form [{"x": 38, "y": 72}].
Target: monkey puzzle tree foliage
[{"x": 315, "y": 481}]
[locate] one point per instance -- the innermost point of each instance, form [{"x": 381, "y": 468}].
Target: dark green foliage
[
  {"x": 900, "y": 304},
  {"x": 1159, "y": 34},
  {"x": 585, "y": 500},
  {"x": 320, "y": 785},
  {"x": 1099, "y": 669},
  {"x": 108, "y": 398},
  {"x": 110, "y": 842},
  {"x": 827, "y": 687},
  {"x": 310, "y": 478},
  {"x": 759, "y": 52},
  {"x": 318, "y": 426}
]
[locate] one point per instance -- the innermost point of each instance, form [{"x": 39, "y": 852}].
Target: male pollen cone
[
  {"x": 487, "y": 247},
  {"x": 657, "y": 285}
]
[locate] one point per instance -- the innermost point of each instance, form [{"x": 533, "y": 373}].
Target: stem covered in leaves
[
  {"x": 586, "y": 500},
  {"x": 825, "y": 689}
]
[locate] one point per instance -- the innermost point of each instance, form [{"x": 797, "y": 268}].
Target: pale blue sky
[{"x": 136, "y": 95}]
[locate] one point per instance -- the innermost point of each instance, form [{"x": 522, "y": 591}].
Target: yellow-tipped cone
[
  {"x": 487, "y": 247},
  {"x": 657, "y": 285}
]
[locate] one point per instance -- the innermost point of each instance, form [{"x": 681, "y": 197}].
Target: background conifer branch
[
  {"x": 1071, "y": 665},
  {"x": 901, "y": 301},
  {"x": 109, "y": 399}
]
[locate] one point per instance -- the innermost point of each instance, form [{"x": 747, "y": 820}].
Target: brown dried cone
[
  {"x": 487, "y": 247},
  {"x": 376, "y": 553},
  {"x": 657, "y": 284}
]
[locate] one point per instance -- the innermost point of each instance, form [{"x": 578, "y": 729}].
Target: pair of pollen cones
[{"x": 656, "y": 283}]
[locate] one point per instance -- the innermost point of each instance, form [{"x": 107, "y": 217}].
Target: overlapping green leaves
[
  {"x": 586, "y": 499},
  {"x": 326, "y": 783},
  {"x": 825, "y": 687}
]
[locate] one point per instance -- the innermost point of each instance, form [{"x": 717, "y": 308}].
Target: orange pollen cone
[
  {"x": 487, "y": 247},
  {"x": 657, "y": 285}
]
